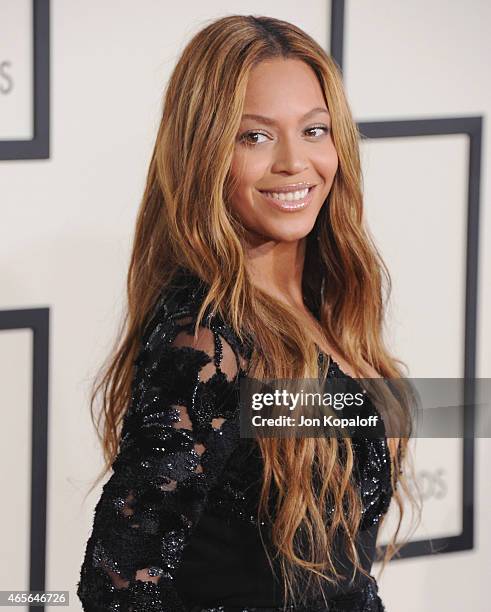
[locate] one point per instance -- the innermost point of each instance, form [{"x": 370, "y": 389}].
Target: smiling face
[{"x": 284, "y": 160}]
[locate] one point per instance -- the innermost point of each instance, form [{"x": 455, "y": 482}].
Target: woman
[{"x": 250, "y": 258}]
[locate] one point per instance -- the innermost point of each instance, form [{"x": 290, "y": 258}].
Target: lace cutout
[{"x": 172, "y": 450}]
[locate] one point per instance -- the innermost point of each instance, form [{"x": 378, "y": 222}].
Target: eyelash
[{"x": 244, "y": 136}]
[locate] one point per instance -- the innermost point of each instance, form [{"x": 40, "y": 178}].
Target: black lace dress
[{"x": 175, "y": 529}]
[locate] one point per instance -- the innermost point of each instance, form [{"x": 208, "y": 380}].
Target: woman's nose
[{"x": 290, "y": 157}]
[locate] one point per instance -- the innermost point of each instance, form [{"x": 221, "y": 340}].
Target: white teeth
[{"x": 288, "y": 196}]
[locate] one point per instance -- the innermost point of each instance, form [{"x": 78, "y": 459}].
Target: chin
[{"x": 291, "y": 233}]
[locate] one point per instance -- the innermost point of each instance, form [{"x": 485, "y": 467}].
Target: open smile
[{"x": 290, "y": 201}]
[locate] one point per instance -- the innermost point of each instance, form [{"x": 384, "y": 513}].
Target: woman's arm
[{"x": 177, "y": 434}]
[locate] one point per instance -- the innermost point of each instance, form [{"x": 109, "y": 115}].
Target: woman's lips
[{"x": 290, "y": 205}]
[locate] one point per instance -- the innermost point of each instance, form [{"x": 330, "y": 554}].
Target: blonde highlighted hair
[{"x": 185, "y": 220}]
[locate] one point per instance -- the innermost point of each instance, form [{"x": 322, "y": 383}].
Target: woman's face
[{"x": 281, "y": 151}]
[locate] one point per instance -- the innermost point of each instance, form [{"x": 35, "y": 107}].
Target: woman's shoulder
[
  {"x": 175, "y": 365},
  {"x": 176, "y": 311},
  {"x": 182, "y": 294}
]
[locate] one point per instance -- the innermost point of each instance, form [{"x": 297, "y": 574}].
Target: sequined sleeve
[{"x": 177, "y": 434}]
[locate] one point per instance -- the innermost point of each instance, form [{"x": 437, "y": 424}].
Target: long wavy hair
[{"x": 185, "y": 220}]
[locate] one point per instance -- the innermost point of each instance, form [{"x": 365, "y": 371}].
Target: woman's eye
[
  {"x": 318, "y": 127},
  {"x": 245, "y": 138}
]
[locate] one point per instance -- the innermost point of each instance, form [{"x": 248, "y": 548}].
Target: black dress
[{"x": 175, "y": 529}]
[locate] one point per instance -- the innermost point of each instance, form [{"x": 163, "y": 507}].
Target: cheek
[
  {"x": 327, "y": 162},
  {"x": 239, "y": 172},
  {"x": 247, "y": 171}
]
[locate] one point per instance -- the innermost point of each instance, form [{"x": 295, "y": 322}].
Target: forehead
[{"x": 286, "y": 87}]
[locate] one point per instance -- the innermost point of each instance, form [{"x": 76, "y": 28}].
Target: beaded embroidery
[{"x": 181, "y": 451}]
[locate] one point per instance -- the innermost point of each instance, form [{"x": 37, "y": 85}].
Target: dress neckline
[{"x": 333, "y": 365}]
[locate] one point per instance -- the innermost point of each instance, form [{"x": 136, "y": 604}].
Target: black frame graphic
[
  {"x": 472, "y": 128},
  {"x": 38, "y": 146},
  {"x": 36, "y": 319}
]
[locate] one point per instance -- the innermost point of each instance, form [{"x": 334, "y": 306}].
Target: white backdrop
[{"x": 67, "y": 224}]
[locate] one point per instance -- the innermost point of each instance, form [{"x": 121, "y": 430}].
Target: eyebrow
[{"x": 269, "y": 121}]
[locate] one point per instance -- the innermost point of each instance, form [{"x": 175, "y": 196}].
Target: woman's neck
[{"x": 277, "y": 269}]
